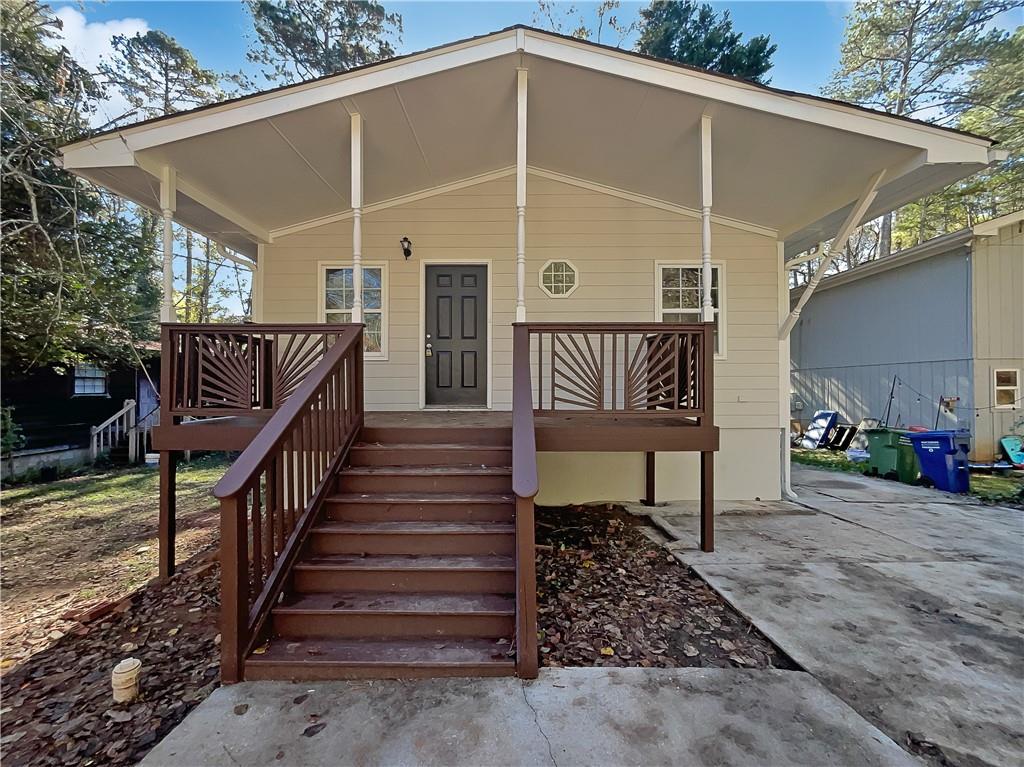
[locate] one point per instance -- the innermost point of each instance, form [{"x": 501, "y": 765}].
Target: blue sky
[{"x": 808, "y": 33}]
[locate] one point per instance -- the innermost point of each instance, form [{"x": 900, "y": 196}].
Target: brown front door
[{"x": 456, "y": 342}]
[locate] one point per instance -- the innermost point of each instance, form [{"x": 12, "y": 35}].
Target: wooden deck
[{"x": 320, "y": 480}]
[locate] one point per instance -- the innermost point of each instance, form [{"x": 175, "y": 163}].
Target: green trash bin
[
  {"x": 908, "y": 464},
  {"x": 883, "y": 451}
]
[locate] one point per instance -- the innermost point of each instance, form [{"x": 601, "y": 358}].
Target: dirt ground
[
  {"x": 84, "y": 540},
  {"x": 609, "y": 595}
]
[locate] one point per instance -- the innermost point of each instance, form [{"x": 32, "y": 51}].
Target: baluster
[{"x": 257, "y": 537}]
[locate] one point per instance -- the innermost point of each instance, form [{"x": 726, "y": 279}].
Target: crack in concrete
[{"x": 536, "y": 721}]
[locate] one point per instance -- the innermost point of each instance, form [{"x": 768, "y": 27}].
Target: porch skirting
[{"x": 747, "y": 467}]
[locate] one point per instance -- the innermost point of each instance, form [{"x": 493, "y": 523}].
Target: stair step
[
  {"x": 430, "y": 538},
  {"x": 424, "y": 507},
  {"x": 312, "y": 660},
  {"x": 355, "y": 614},
  {"x": 431, "y": 435},
  {"x": 405, "y": 573},
  {"x": 437, "y": 479},
  {"x": 418, "y": 454}
]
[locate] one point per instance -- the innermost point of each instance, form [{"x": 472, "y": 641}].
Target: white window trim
[
  {"x": 549, "y": 262},
  {"x": 321, "y": 311},
  {"x": 722, "y": 309},
  {"x": 74, "y": 382},
  {"x": 996, "y": 388}
]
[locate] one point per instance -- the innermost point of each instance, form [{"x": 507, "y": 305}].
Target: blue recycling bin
[{"x": 943, "y": 456}]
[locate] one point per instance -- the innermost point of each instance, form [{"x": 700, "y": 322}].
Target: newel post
[{"x": 234, "y": 587}]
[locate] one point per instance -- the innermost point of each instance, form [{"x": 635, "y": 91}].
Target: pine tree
[
  {"x": 911, "y": 57},
  {"x": 298, "y": 41},
  {"x": 695, "y": 34},
  {"x": 76, "y": 280}
]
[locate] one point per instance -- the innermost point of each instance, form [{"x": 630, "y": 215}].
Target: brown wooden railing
[
  {"x": 218, "y": 370},
  {"x": 270, "y": 494},
  {"x": 653, "y": 369},
  {"x": 525, "y": 486}
]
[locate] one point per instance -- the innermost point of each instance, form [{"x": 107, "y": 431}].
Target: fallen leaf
[{"x": 313, "y": 729}]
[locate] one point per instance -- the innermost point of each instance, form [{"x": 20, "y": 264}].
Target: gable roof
[{"x": 277, "y": 160}]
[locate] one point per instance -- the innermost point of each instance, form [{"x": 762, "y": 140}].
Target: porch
[{"x": 368, "y": 531}]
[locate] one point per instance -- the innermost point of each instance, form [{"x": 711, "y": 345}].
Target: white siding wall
[
  {"x": 614, "y": 243},
  {"x": 997, "y": 279}
]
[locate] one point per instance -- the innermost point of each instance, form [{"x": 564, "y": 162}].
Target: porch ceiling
[{"x": 781, "y": 161}]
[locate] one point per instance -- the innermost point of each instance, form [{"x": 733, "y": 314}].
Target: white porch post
[
  {"x": 168, "y": 200},
  {"x": 357, "y": 218},
  {"x": 707, "y": 307},
  {"x": 860, "y": 208},
  {"x": 521, "y": 194}
]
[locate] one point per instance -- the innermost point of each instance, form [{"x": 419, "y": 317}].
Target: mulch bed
[
  {"x": 57, "y": 704},
  {"x": 608, "y": 595}
]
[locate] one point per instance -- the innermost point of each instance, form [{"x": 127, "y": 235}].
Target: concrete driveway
[
  {"x": 578, "y": 717},
  {"x": 906, "y": 603}
]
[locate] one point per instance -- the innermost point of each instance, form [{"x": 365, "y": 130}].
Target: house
[
  {"x": 70, "y": 415},
  {"x": 517, "y": 268},
  {"x": 933, "y": 336}
]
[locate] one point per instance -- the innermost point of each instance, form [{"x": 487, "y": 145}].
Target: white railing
[
  {"x": 142, "y": 433},
  {"x": 109, "y": 433}
]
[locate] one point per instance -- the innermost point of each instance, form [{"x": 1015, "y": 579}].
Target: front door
[{"x": 456, "y": 342}]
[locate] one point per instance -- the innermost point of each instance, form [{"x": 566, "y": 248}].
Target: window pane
[
  {"x": 372, "y": 338},
  {"x": 339, "y": 299},
  {"x": 339, "y": 279},
  {"x": 339, "y": 317},
  {"x": 558, "y": 278},
  {"x": 371, "y": 278},
  {"x": 1005, "y": 396},
  {"x": 1006, "y": 378},
  {"x": 371, "y": 298}
]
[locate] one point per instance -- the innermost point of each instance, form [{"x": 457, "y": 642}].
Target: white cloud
[{"x": 90, "y": 42}]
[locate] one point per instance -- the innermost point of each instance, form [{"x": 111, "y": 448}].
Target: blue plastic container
[{"x": 943, "y": 456}]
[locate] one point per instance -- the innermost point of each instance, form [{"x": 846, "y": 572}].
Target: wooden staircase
[{"x": 409, "y": 568}]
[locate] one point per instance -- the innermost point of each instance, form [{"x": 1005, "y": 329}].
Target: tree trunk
[{"x": 885, "y": 237}]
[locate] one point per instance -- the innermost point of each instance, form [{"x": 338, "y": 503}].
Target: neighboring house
[
  {"x": 943, "y": 320},
  {"x": 57, "y": 410},
  {"x": 550, "y": 270}
]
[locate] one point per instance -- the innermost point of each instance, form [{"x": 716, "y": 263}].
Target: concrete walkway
[
  {"x": 581, "y": 716},
  {"x": 906, "y": 603}
]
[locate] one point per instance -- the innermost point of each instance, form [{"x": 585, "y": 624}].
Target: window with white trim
[
  {"x": 1007, "y": 388},
  {"x": 558, "y": 278},
  {"x": 680, "y": 291},
  {"x": 338, "y": 300},
  {"x": 90, "y": 381}
]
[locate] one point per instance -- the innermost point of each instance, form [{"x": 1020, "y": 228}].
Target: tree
[
  {"x": 158, "y": 76},
  {"x": 319, "y": 37},
  {"x": 566, "y": 19},
  {"x": 694, "y": 34},
  {"x": 911, "y": 58},
  {"x": 76, "y": 280}
]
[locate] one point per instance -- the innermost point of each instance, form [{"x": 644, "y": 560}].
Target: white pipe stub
[{"x": 124, "y": 680}]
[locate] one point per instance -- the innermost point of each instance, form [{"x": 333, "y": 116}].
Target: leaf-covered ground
[
  {"x": 58, "y": 708},
  {"x": 83, "y": 540},
  {"x": 610, "y": 596}
]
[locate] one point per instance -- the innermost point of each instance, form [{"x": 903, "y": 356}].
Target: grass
[
  {"x": 990, "y": 488},
  {"x": 94, "y": 536}
]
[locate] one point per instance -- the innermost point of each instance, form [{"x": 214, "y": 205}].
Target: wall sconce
[{"x": 406, "y": 244}]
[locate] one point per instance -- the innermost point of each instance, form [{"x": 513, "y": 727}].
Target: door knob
[{"x": 430, "y": 350}]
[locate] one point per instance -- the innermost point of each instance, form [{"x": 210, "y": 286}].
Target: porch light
[{"x": 406, "y": 244}]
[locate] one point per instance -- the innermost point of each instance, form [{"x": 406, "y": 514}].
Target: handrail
[
  {"x": 524, "y": 440},
  {"x": 129, "y": 404},
  {"x": 105, "y": 435},
  {"x": 233, "y": 369},
  {"x": 650, "y": 369},
  {"x": 525, "y": 486},
  {"x": 243, "y": 470},
  {"x": 270, "y": 495}
]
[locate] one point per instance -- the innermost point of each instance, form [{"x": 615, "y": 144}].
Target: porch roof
[{"x": 263, "y": 165}]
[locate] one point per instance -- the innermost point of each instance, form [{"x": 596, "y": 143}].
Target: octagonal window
[{"x": 558, "y": 278}]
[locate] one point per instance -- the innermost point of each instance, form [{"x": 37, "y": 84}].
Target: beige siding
[
  {"x": 614, "y": 243},
  {"x": 997, "y": 279}
]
